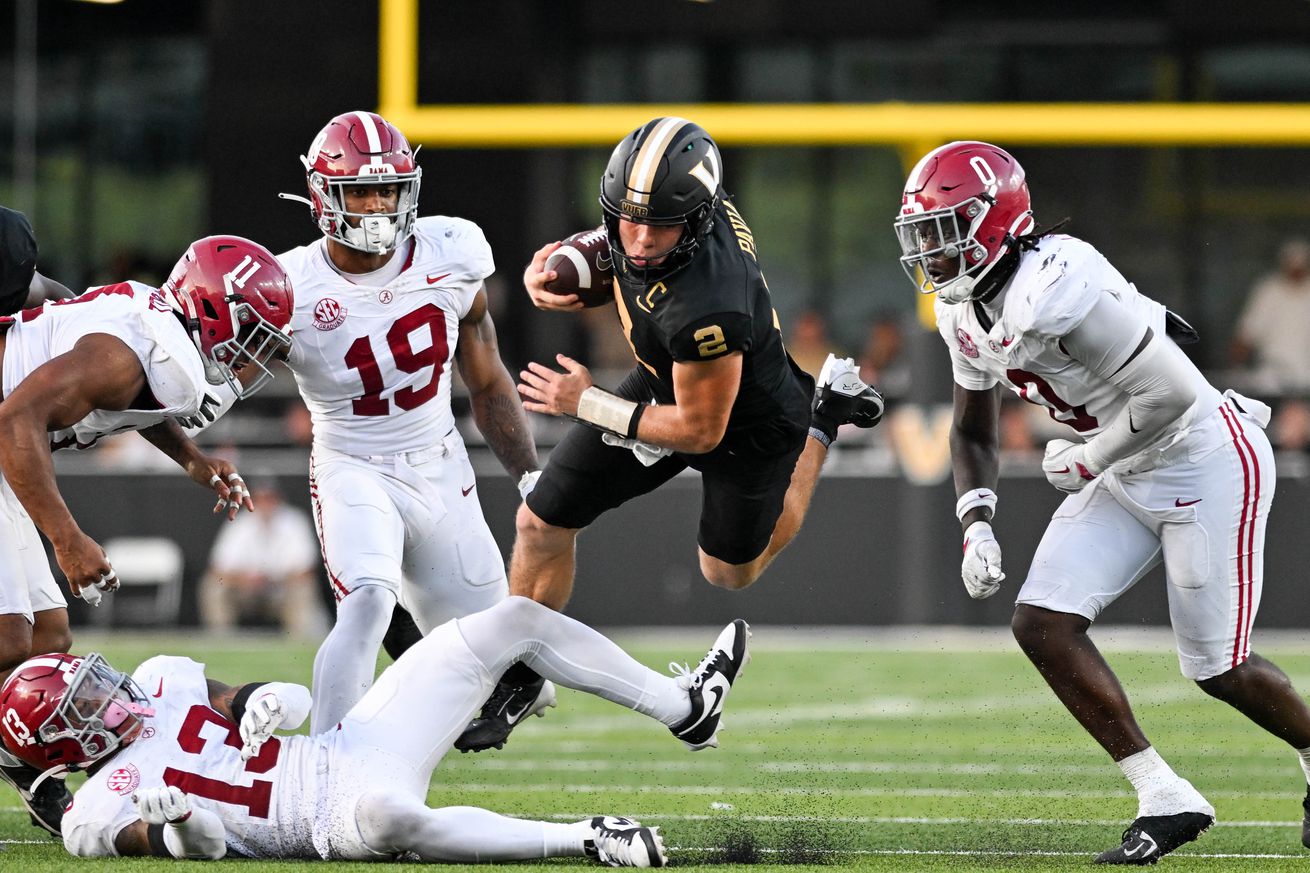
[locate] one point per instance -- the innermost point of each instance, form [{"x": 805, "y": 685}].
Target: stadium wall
[{"x": 874, "y": 551}]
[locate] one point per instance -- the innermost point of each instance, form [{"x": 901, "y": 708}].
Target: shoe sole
[{"x": 713, "y": 741}]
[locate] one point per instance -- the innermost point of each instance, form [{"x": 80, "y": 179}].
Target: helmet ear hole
[{"x": 210, "y": 311}]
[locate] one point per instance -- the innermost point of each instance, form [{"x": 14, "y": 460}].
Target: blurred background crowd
[{"x": 134, "y": 127}]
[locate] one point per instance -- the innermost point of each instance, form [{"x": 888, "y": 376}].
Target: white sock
[
  {"x": 1161, "y": 791},
  {"x": 1305, "y": 762}
]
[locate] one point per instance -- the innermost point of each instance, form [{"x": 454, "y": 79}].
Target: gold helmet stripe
[{"x": 642, "y": 178}]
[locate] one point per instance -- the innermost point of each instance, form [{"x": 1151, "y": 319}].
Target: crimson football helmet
[
  {"x": 64, "y": 711},
  {"x": 361, "y": 148},
  {"x": 235, "y": 301},
  {"x": 967, "y": 202}
]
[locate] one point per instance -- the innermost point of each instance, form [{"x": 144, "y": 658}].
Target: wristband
[
  {"x": 970, "y": 500},
  {"x": 609, "y": 412}
]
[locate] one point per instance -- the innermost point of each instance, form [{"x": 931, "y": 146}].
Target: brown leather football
[{"x": 584, "y": 267}]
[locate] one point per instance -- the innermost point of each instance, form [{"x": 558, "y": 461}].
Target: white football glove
[
  {"x": 981, "y": 569},
  {"x": 167, "y": 804},
  {"x": 264, "y": 714},
  {"x": 1066, "y": 466},
  {"x": 645, "y": 452},
  {"x": 527, "y": 482}
]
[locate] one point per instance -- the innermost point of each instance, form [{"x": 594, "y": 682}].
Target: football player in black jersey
[
  {"x": 21, "y": 286},
  {"x": 713, "y": 389}
]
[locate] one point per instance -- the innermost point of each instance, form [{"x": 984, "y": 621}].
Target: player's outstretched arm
[
  {"x": 100, "y": 372},
  {"x": 208, "y": 471},
  {"x": 497, "y": 410}
]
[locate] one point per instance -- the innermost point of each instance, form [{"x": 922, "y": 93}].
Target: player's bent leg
[
  {"x": 1059, "y": 647},
  {"x": 391, "y": 824},
  {"x": 576, "y": 656},
  {"x": 1262, "y": 692},
  {"x": 542, "y": 564},
  {"x": 347, "y": 659}
]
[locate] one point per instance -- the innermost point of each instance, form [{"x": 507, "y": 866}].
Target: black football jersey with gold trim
[{"x": 716, "y": 305}]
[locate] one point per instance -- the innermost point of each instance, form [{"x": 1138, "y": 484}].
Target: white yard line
[{"x": 827, "y": 791}]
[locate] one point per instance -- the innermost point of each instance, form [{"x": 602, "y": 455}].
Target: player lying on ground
[
  {"x": 183, "y": 766},
  {"x": 1167, "y": 469}
]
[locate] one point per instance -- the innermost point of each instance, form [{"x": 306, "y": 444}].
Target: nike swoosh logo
[
  {"x": 1147, "y": 844},
  {"x": 432, "y": 280},
  {"x": 466, "y": 491},
  {"x": 719, "y": 688},
  {"x": 1179, "y": 502},
  {"x": 1057, "y": 472},
  {"x": 161, "y": 688},
  {"x": 1130, "y": 423},
  {"x": 515, "y": 717},
  {"x": 1005, "y": 343}
]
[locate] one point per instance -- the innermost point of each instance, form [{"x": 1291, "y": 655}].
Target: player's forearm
[
  {"x": 1160, "y": 390},
  {"x": 173, "y": 442},
  {"x": 975, "y": 447},
  {"x": 200, "y": 837},
  {"x": 673, "y": 427},
  {"x": 29, "y": 470},
  {"x": 500, "y": 418}
]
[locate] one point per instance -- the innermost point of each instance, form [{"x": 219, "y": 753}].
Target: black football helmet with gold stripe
[{"x": 666, "y": 172}]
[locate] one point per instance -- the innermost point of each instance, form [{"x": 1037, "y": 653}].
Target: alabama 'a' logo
[
  {"x": 967, "y": 346},
  {"x": 124, "y": 780},
  {"x": 329, "y": 314}
]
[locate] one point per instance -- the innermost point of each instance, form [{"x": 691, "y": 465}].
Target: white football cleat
[
  {"x": 622, "y": 842},
  {"x": 708, "y": 685}
]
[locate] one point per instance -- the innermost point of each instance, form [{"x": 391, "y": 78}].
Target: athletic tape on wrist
[
  {"x": 609, "y": 412},
  {"x": 970, "y": 500}
]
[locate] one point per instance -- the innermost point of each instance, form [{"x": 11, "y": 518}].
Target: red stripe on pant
[{"x": 1245, "y": 534}]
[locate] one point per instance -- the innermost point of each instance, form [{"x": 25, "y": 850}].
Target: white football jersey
[
  {"x": 134, "y": 313},
  {"x": 267, "y": 804},
  {"x": 373, "y": 361},
  {"x": 1051, "y": 292}
]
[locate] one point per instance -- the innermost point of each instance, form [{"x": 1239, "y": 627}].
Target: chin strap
[{"x": 59, "y": 771}]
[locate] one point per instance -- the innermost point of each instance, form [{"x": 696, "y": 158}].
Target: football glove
[
  {"x": 1066, "y": 466},
  {"x": 208, "y": 412},
  {"x": 981, "y": 569},
  {"x": 166, "y": 804},
  {"x": 645, "y": 452},
  {"x": 264, "y": 715}
]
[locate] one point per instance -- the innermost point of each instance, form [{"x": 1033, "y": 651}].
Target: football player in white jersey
[
  {"x": 386, "y": 303},
  {"x": 120, "y": 357},
  {"x": 1165, "y": 469},
  {"x": 183, "y": 766}
]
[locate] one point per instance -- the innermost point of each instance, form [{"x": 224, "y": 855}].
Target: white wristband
[
  {"x": 607, "y": 411},
  {"x": 970, "y": 500}
]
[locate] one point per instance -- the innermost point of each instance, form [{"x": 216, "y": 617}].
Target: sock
[
  {"x": 1160, "y": 791},
  {"x": 1305, "y": 764}
]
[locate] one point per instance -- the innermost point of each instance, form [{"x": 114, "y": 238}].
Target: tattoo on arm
[{"x": 501, "y": 420}]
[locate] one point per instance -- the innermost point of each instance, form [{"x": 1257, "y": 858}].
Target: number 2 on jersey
[
  {"x": 360, "y": 356},
  {"x": 1077, "y": 417}
]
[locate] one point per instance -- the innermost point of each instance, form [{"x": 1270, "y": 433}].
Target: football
[{"x": 584, "y": 267}]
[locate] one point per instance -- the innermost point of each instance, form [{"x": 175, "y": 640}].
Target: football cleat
[
  {"x": 509, "y": 704},
  {"x": 708, "y": 685},
  {"x": 1151, "y": 837},
  {"x": 1305, "y": 820},
  {"x": 841, "y": 397},
  {"x": 622, "y": 842},
  {"x": 47, "y": 804}
]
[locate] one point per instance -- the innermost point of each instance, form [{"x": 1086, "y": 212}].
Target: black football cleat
[
  {"x": 622, "y": 842},
  {"x": 513, "y": 700},
  {"x": 708, "y": 685},
  {"x": 1305, "y": 820},
  {"x": 1151, "y": 837},
  {"x": 47, "y": 804},
  {"x": 841, "y": 397}
]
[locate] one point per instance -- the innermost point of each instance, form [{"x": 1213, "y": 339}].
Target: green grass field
[{"x": 874, "y": 751}]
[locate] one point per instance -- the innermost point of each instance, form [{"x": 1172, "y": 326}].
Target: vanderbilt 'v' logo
[
  {"x": 707, "y": 177},
  {"x": 920, "y": 436}
]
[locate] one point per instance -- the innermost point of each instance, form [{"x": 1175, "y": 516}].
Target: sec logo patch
[
  {"x": 124, "y": 780},
  {"x": 329, "y": 314},
  {"x": 968, "y": 347}
]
